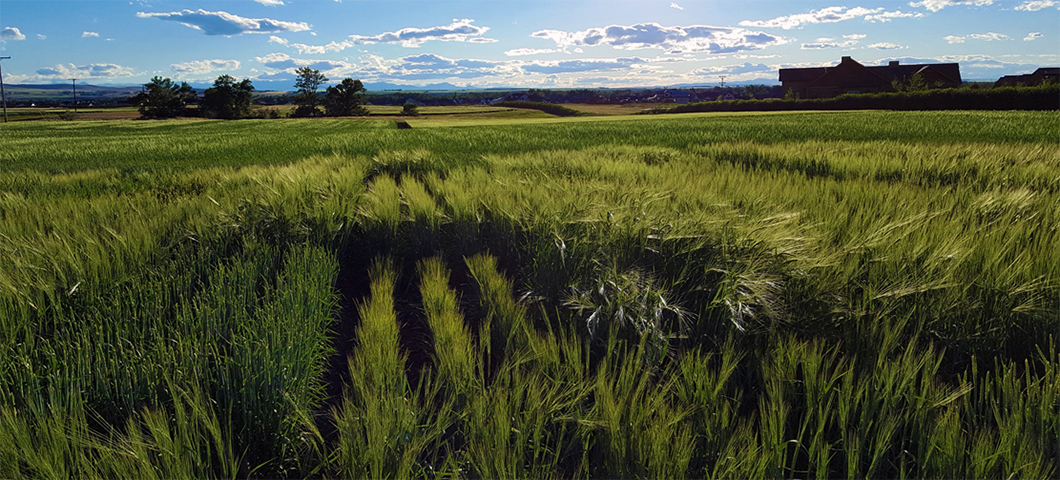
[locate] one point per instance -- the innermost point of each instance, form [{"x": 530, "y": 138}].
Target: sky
[{"x": 513, "y": 43}]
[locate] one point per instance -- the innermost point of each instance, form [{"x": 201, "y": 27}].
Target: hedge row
[
  {"x": 1043, "y": 97},
  {"x": 549, "y": 108}
]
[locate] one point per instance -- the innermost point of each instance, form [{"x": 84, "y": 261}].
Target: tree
[
  {"x": 915, "y": 83},
  {"x": 164, "y": 98},
  {"x": 410, "y": 109},
  {"x": 345, "y": 99},
  {"x": 307, "y": 83},
  {"x": 228, "y": 99}
]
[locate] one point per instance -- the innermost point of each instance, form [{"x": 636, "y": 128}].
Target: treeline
[
  {"x": 1042, "y": 97},
  {"x": 231, "y": 99},
  {"x": 164, "y": 98},
  {"x": 649, "y": 95},
  {"x": 583, "y": 96}
]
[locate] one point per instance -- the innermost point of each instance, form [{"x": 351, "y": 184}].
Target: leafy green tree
[
  {"x": 307, "y": 83},
  {"x": 228, "y": 99},
  {"x": 410, "y": 109},
  {"x": 164, "y": 98},
  {"x": 915, "y": 83},
  {"x": 345, "y": 99}
]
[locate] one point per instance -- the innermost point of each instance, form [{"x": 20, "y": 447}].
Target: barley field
[{"x": 785, "y": 295}]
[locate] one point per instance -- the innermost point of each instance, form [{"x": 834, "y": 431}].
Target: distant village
[{"x": 847, "y": 77}]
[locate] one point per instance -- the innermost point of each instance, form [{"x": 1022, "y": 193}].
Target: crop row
[{"x": 837, "y": 305}]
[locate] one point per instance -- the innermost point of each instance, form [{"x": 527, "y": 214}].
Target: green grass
[
  {"x": 549, "y": 108},
  {"x": 843, "y": 294}
]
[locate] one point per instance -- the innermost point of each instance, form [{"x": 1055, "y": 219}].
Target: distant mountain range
[
  {"x": 109, "y": 93},
  {"x": 81, "y": 87},
  {"x": 287, "y": 86}
]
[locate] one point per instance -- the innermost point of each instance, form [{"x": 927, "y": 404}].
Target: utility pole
[
  {"x": 722, "y": 80},
  {"x": 2, "y": 95},
  {"x": 73, "y": 81}
]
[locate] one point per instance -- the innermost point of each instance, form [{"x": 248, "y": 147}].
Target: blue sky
[{"x": 525, "y": 43}]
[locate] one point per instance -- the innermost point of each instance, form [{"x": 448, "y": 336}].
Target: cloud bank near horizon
[
  {"x": 92, "y": 70},
  {"x": 201, "y": 67},
  {"x": 673, "y": 40}
]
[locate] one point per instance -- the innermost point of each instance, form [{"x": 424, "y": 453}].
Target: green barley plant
[
  {"x": 714, "y": 295},
  {"x": 629, "y": 306},
  {"x": 638, "y": 432},
  {"x": 383, "y": 423},
  {"x": 454, "y": 350}
]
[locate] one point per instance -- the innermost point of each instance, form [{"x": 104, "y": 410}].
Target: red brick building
[{"x": 852, "y": 77}]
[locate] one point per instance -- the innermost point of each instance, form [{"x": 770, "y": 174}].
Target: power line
[{"x": 2, "y": 95}]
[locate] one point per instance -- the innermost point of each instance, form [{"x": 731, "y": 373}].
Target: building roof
[
  {"x": 801, "y": 74},
  {"x": 1038, "y": 76},
  {"x": 892, "y": 71},
  {"x": 849, "y": 73},
  {"x": 896, "y": 71}
]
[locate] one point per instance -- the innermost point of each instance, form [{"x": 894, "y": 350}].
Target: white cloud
[
  {"x": 973, "y": 66},
  {"x": 406, "y": 37},
  {"x": 322, "y": 49},
  {"x": 674, "y": 5},
  {"x": 855, "y": 36},
  {"x": 270, "y": 2},
  {"x": 885, "y": 46},
  {"x": 738, "y": 69},
  {"x": 675, "y": 40},
  {"x": 429, "y": 66},
  {"x": 11, "y": 33},
  {"x": 580, "y": 66},
  {"x": 885, "y": 17},
  {"x": 990, "y": 36},
  {"x": 224, "y": 23},
  {"x": 828, "y": 15},
  {"x": 743, "y": 56},
  {"x": 89, "y": 34},
  {"x": 283, "y": 61},
  {"x": 200, "y": 67},
  {"x": 936, "y": 5},
  {"x": 1035, "y": 5},
  {"x": 458, "y": 31},
  {"x": 823, "y": 43},
  {"x": 1033, "y": 35},
  {"x": 519, "y": 52},
  {"x": 94, "y": 70},
  {"x": 41, "y": 36}
]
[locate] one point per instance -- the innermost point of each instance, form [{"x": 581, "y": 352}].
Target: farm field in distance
[
  {"x": 447, "y": 112},
  {"x": 785, "y": 295}
]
